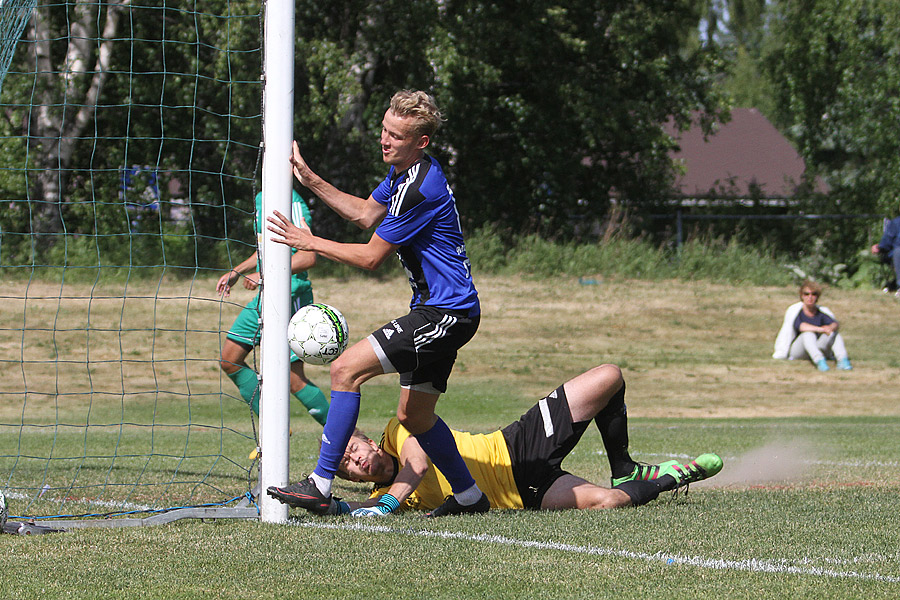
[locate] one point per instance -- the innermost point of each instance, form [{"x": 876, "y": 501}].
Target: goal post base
[{"x": 26, "y": 528}]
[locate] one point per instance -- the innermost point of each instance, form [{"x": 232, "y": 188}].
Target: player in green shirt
[{"x": 244, "y": 334}]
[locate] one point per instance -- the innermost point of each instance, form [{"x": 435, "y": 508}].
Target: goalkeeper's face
[{"x": 365, "y": 461}]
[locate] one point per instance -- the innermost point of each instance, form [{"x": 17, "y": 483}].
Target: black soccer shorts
[
  {"x": 422, "y": 345},
  {"x": 538, "y": 442}
]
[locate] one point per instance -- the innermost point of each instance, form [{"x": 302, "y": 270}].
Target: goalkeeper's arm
[{"x": 415, "y": 465}]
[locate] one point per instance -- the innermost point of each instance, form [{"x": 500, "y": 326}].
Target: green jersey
[{"x": 300, "y": 282}]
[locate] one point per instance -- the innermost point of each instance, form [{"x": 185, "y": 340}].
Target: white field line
[
  {"x": 750, "y": 565},
  {"x": 125, "y": 506}
]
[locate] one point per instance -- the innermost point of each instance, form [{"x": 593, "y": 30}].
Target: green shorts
[{"x": 245, "y": 330}]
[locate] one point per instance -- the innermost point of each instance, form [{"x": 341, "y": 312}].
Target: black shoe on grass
[
  {"x": 452, "y": 507},
  {"x": 303, "y": 494}
]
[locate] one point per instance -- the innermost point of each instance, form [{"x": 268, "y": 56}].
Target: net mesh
[
  {"x": 14, "y": 15},
  {"x": 129, "y": 155}
]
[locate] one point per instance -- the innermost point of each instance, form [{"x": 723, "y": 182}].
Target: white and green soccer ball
[{"x": 318, "y": 333}]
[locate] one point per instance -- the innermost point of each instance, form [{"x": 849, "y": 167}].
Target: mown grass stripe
[{"x": 752, "y": 565}]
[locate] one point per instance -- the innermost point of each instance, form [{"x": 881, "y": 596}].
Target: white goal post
[{"x": 278, "y": 100}]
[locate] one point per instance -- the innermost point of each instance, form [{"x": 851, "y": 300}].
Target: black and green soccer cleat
[
  {"x": 702, "y": 467},
  {"x": 642, "y": 472}
]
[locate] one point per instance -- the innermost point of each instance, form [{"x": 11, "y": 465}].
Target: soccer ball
[{"x": 318, "y": 333}]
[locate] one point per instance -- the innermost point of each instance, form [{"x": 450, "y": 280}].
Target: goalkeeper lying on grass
[{"x": 518, "y": 466}]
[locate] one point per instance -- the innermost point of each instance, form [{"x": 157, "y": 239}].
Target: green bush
[
  {"x": 713, "y": 260},
  {"x": 866, "y": 271},
  {"x": 487, "y": 250},
  {"x": 491, "y": 250},
  {"x": 730, "y": 262}
]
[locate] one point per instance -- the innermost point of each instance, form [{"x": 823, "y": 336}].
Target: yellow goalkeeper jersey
[{"x": 486, "y": 455}]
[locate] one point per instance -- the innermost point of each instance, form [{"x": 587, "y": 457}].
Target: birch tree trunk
[{"x": 67, "y": 93}]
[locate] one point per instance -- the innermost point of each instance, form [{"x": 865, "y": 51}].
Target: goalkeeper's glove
[{"x": 386, "y": 505}]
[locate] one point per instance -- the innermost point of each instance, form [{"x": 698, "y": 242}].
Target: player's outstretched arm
[
  {"x": 302, "y": 261},
  {"x": 362, "y": 212},
  {"x": 415, "y": 466},
  {"x": 227, "y": 281},
  {"x": 367, "y": 256}
]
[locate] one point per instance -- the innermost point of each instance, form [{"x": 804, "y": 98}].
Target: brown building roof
[{"x": 745, "y": 152}]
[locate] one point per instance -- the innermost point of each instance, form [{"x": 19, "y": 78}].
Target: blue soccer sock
[
  {"x": 439, "y": 445},
  {"x": 342, "y": 415}
]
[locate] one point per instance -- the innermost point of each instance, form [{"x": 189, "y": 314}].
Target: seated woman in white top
[{"x": 811, "y": 331}]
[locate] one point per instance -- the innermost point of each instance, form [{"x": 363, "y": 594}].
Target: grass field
[{"x": 806, "y": 506}]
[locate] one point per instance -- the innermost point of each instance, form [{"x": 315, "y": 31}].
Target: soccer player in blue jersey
[
  {"x": 415, "y": 213},
  {"x": 244, "y": 333}
]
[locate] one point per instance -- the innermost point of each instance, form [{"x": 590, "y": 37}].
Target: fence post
[{"x": 678, "y": 231}]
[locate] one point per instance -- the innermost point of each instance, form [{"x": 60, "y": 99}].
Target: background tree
[
  {"x": 837, "y": 78},
  {"x": 178, "y": 95},
  {"x": 73, "y": 68},
  {"x": 351, "y": 56},
  {"x": 742, "y": 29},
  {"x": 570, "y": 109},
  {"x": 819, "y": 70},
  {"x": 550, "y": 109}
]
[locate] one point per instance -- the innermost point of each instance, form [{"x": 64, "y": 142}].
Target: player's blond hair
[{"x": 421, "y": 107}]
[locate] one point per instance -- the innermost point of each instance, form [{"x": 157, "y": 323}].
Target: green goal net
[
  {"x": 13, "y": 16},
  {"x": 129, "y": 161}
]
